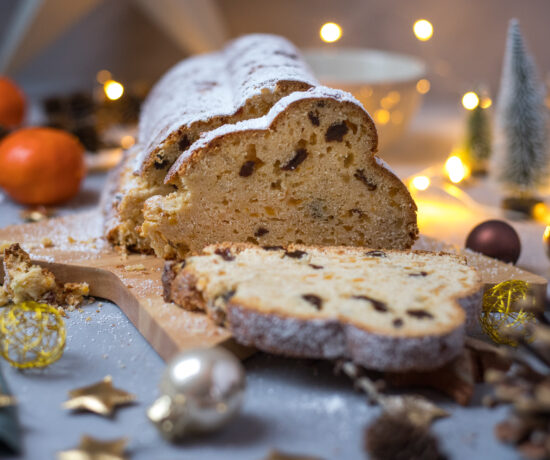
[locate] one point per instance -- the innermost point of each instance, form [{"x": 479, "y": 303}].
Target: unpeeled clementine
[
  {"x": 12, "y": 104},
  {"x": 41, "y": 166}
]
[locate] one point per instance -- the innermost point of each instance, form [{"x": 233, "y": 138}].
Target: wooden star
[
  {"x": 94, "y": 449},
  {"x": 101, "y": 397}
]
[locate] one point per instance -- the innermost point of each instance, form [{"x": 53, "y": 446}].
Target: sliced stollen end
[
  {"x": 386, "y": 310},
  {"x": 197, "y": 95},
  {"x": 305, "y": 173},
  {"x": 122, "y": 202}
]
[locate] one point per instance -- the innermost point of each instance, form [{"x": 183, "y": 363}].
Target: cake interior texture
[
  {"x": 138, "y": 179},
  {"x": 389, "y": 296},
  {"x": 199, "y": 94},
  {"x": 306, "y": 173}
]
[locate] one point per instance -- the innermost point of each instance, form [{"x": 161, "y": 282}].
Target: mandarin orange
[
  {"x": 41, "y": 165},
  {"x": 12, "y": 103}
]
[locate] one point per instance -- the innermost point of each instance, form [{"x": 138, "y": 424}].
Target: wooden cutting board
[{"x": 79, "y": 253}]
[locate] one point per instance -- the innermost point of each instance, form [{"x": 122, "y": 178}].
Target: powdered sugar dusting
[
  {"x": 261, "y": 123},
  {"x": 385, "y": 165},
  {"x": 217, "y": 84}
]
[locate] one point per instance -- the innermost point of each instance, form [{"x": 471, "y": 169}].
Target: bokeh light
[
  {"x": 113, "y": 90},
  {"x": 421, "y": 182},
  {"x": 330, "y": 32},
  {"x": 382, "y": 116},
  {"x": 103, "y": 76},
  {"x": 456, "y": 170},
  {"x": 470, "y": 100},
  {"x": 423, "y": 86},
  {"x": 127, "y": 141},
  {"x": 486, "y": 102},
  {"x": 423, "y": 29}
]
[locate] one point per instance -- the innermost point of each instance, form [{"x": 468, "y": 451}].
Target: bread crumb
[
  {"x": 46, "y": 242},
  {"x": 4, "y": 244},
  {"x": 71, "y": 240},
  {"x": 135, "y": 268},
  {"x": 89, "y": 318}
]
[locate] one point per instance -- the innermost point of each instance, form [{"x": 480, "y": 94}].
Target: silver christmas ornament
[{"x": 201, "y": 391}]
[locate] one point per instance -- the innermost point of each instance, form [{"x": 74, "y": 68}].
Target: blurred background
[{"x": 137, "y": 42}]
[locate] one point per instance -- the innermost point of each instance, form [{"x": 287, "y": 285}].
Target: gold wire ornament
[
  {"x": 32, "y": 334},
  {"x": 508, "y": 307}
]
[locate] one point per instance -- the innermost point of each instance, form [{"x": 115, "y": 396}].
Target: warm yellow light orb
[
  {"x": 127, "y": 141},
  {"x": 541, "y": 213},
  {"x": 330, "y": 32},
  {"x": 423, "y": 30},
  {"x": 470, "y": 100},
  {"x": 113, "y": 90},
  {"x": 421, "y": 182},
  {"x": 423, "y": 86},
  {"x": 456, "y": 169},
  {"x": 486, "y": 102},
  {"x": 382, "y": 116},
  {"x": 103, "y": 76}
]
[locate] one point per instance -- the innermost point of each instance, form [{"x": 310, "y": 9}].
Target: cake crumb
[
  {"x": 4, "y": 244},
  {"x": 46, "y": 242},
  {"x": 71, "y": 240},
  {"x": 135, "y": 268},
  {"x": 89, "y": 318},
  {"x": 25, "y": 281}
]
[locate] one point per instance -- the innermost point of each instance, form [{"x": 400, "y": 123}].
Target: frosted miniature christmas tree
[{"x": 521, "y": 119}]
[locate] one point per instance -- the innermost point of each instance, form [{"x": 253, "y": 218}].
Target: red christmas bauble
[{"x": 495, "y": 238}]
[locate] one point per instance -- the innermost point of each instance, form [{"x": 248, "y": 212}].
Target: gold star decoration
[
  {"x": 94, "y": 449},
  {"x": 101, "y": 397}
]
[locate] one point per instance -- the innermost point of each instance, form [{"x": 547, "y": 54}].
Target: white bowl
[{"x": 385, "y": 83}]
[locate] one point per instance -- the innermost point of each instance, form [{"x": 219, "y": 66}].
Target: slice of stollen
[{"x": 386, "y": 310}]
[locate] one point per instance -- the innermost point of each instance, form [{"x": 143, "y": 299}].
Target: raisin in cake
[
  {"x": 304, "y": 173},
  {"x": 199, "y": 94},
  {"x": 386, "y": 310}
]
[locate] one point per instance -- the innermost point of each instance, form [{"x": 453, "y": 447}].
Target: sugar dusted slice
[{"x": 386, "y": 310}]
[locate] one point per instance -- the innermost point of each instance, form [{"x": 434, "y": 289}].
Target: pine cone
[{"x": 394, "y": 438}]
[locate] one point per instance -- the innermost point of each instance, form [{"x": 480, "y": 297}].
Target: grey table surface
[{"x": 295, "y": 406}]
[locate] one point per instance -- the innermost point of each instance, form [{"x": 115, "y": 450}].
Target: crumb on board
[
  {"x": 24, "y": 281},
  {"x": 134, "y": 268},
  {"x": 46, "y": 242},
  {"x": 4, "y": 244}
]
